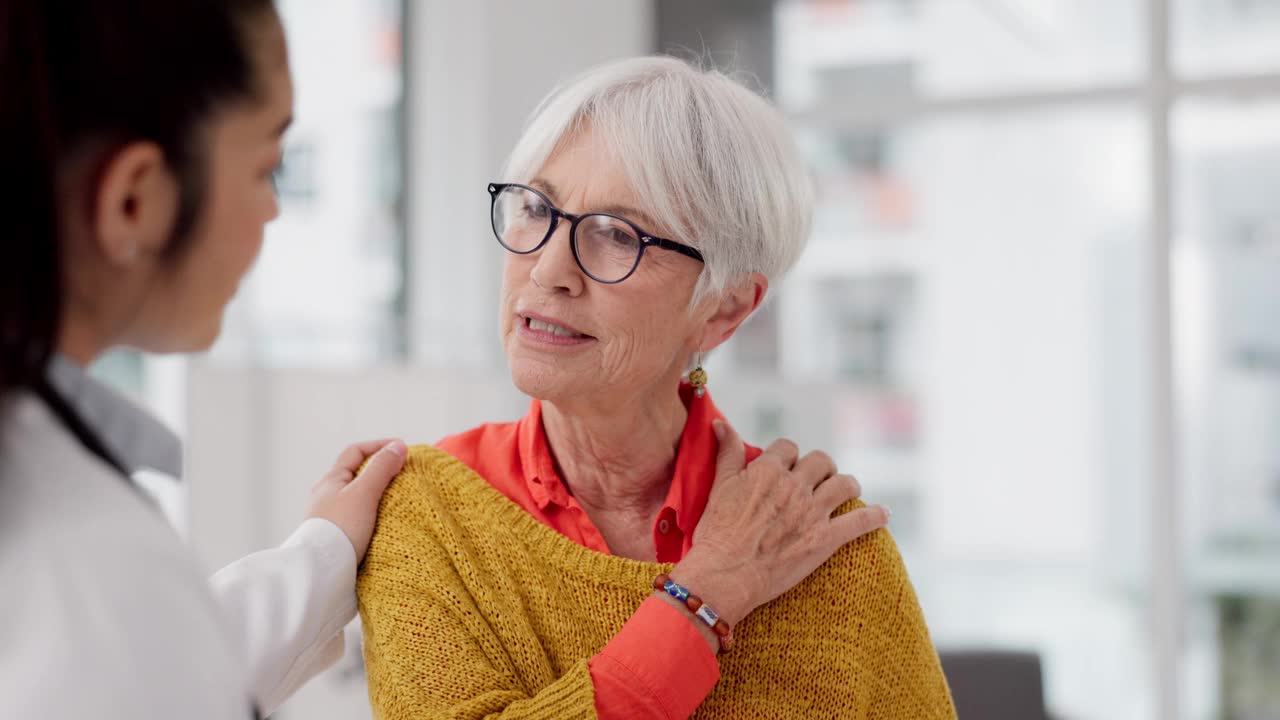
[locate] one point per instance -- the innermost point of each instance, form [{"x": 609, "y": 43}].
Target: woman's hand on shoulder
[
  {"x": 350, "y": 501},
  {"x": 769, "y": 525}
]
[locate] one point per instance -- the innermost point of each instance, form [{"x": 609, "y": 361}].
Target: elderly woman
[{"x": 609, "y": 554}]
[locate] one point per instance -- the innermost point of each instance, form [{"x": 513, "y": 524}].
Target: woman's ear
[
  {"x": 733, "y": 308},
  {"x": 135, "y": 204}
]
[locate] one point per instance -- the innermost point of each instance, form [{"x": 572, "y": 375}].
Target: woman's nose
[{"x": 554, "y": 266}]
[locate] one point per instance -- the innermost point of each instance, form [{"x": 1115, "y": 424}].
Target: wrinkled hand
[
  {"x": 768, "y": 525},
  {"x": 350, "y": 501}
]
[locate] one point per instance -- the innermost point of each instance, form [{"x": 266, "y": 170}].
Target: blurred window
[{"x": 970, "y": 329}]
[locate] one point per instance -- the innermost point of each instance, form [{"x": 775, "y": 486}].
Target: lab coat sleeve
[{"x": 288, "y": 605}]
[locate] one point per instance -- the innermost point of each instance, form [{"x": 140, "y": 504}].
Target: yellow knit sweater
[{"x": 474, "y": 609}]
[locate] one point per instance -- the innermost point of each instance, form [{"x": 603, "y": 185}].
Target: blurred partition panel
[{"x": 1227, "y": 292}]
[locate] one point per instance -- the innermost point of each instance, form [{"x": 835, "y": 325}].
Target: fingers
[
  {"x": 353, "y": 456},
  {"x": 853, "y": 525},
  {"x": 731, "y": 456},
  {"x": 385, "y": 464},
  {"x": 348, "y": 462},
  {"x": 836, "y": 491},
  {"x": 785, "y": 452},
  {"x": 814, "y": 468}
]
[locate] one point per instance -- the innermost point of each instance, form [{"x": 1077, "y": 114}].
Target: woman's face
[
  {"x": 186, "y": 300},
  {"x": 613, "y": 342}
]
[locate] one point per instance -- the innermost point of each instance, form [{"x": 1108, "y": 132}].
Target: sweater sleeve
[
  {"x": 430, "y": 667},
  {"x": 890, "y": 633},
  {"x": 427, "y": 651}
]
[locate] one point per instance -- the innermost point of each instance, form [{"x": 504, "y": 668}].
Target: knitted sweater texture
[{"x": 473, "y": 609}]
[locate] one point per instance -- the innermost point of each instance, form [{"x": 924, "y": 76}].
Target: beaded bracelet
[{"x": 704, "y": 612}]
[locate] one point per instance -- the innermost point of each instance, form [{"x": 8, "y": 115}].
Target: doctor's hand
[{"x": 350, "y": 501}]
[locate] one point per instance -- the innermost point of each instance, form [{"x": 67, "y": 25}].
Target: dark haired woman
[{"x": 139, "y": 138}]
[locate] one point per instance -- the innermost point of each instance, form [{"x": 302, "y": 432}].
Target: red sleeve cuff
[{"x": 658, "y": 656}]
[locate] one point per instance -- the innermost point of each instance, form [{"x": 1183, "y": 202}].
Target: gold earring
[{"x": 698, "y": 378}]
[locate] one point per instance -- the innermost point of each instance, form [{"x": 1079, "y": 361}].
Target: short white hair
[{"x": 711, "y": 161}]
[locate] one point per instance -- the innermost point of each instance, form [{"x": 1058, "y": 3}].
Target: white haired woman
[{"x": 608, "y": 554}]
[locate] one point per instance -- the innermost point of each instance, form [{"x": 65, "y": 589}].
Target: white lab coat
[{"x": 105, "y": 614}]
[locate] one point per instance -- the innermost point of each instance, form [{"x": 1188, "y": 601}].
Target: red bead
[
  {"x": 660, "y": 582},
  {"x": 694, "y": 602}
]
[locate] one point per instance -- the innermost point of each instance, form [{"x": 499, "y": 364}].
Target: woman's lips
[{"x": 548, "y": 331}]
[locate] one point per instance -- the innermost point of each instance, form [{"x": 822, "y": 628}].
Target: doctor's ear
[{"x": 134, "y": 204}]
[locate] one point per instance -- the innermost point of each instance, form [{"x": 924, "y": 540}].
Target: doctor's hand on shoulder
[{"x": 348, "y": 496}]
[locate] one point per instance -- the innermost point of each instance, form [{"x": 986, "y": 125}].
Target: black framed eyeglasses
[{"x": 608, "y": 248}]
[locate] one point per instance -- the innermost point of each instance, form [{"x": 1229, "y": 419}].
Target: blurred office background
[{"x": 1039, "y": 315}]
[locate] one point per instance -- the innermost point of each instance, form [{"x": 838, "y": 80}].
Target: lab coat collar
[{"x": 131, "y": 434}]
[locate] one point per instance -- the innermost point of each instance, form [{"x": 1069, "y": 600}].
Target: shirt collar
[
  {"x": 695, "y": 460},
  {"x": 535, "y": 461},
  {"x": 694, "y": 469},
  {"x": 131, "y": 434}
]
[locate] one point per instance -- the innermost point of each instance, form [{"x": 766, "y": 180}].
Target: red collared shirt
[{"x": 633, "y": 675}]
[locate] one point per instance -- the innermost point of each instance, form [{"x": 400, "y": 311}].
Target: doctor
[{"x": 139, "y": 140}]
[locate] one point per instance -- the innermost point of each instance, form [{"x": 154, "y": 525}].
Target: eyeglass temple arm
[{"x": 677, "y": 247}]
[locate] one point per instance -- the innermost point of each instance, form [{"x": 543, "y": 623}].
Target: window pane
[
  {"x": 328, "y": 287},
  {"x": 1227, "y": 295},
  {"x": 899, "y": 50},
  {"x": 1217, "y": 36},
  {"x": 962, "y": 335}
]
